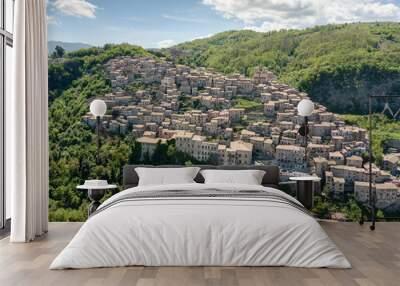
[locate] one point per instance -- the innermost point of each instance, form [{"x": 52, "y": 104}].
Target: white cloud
[
  {"x": 182, "y": 19},
  {"x": 268, "y": 15},
  {"x": 78, "y": 8},
  {"x": 201, "y": 37},
  {"x": 52, "y": 20},
  {"x": 165, "y": 44}
]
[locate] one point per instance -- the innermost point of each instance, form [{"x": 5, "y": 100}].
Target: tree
[
  {"x": 146, "y": 158},
  {"x": 135, "y": 154},
  {"x": 196, "y": 104},
  {"x": 352, "y": 211},
  {"x": 59, "y": 52},
  {"x": 160, "y": 154},
  {"x": 213, "y": 159},
  {"x": 171, "y": 151},
  {"x": 115, "y": 113},
  {"x": 62, "y": 74}
]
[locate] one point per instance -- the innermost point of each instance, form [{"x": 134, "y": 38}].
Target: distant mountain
[
  {"x": 69, "y": 47},
  {"x": 338, "y": 65}
]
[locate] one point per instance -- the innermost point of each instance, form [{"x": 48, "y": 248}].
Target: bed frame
[{"x": 270, "y": 179}]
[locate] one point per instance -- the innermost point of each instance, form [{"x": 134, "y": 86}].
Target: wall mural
[{"x": 163, "y": 107}]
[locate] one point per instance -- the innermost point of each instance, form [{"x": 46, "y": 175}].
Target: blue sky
[
  {"x": 157, "y": 23},
  {"x": 148, "y": 23}
]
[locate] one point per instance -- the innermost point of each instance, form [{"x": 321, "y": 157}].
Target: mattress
[{"x": 201, "y": 225}]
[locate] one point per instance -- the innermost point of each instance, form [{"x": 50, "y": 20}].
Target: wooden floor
[{"x": 375, "y": 257}]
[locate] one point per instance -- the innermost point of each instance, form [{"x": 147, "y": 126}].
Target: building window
[{"x": 6, "y": 44}]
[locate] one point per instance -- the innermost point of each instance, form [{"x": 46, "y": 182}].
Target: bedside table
[
  {"x": 305, "y": 190},
  {"x": 95, "y": 192}
]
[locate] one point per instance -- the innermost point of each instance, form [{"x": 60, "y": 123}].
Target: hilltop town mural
[
  {"x": 163, "y": 112},
  {"x": 234, "y": 120}
]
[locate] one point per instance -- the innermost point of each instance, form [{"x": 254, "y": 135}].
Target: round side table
[
  {"x": 95, "y": 194},
  {"x": 305, "y": 190}
]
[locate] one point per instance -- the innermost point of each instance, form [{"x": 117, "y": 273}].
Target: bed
[{"x": 201, "y": 224}]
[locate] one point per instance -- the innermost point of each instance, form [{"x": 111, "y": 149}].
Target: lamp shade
[
  {"x": 98, "y": 107},
  {"x": 305, "y": 107}
]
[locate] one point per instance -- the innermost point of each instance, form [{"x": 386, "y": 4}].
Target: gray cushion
[{"x": 270, "y": 179}]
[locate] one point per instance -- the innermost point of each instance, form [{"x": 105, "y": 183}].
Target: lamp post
[
  {"x": 98, "y": 108},
  {"x": 305, "y": 108}
]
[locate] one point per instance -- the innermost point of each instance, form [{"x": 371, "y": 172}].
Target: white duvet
[{"x": 200, "y": 231}]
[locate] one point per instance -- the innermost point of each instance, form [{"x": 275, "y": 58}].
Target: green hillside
[
  {"x": 338, "y": 65},
  {"x": 75, "y": 78}
]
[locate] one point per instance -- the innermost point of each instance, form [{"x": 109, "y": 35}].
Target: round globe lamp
[
  {"x": 98, "y": 108},
  {"x": 305, "y": 107}
]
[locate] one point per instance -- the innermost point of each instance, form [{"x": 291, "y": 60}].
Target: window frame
[{"x": 6, "y": 39}]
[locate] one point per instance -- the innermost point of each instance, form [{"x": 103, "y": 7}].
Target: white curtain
[{"x": 27, "y": 124}]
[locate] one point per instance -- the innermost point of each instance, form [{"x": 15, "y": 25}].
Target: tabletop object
[
  {"x": 305, "y": 189},
  {"x": 96, "y": 191}
]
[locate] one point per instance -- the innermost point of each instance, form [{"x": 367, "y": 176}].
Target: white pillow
[
  {"x": 247, "y": 177},
  {"x": 166, "y": 176}
]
